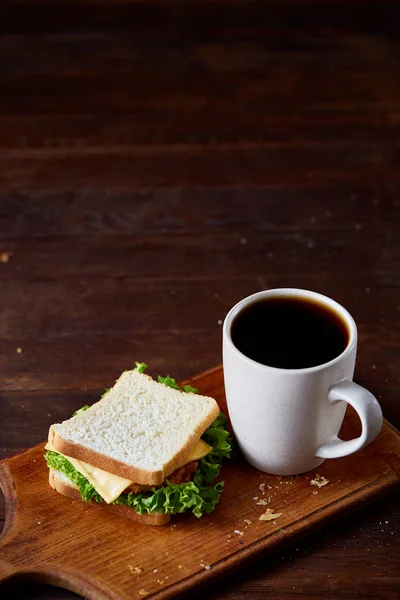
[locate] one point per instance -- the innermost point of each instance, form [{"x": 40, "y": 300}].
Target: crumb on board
[
  {"x": 237, "y": 532},
  {"x": 19, "y": 350},
  {"x": 269, "y": 515},
  {"x": 255, "y": 498},
  {"x": 180, "y": 567},
  {"x": 155, "y": 570},
  {"x": 247, "y": 521},
  {"x": 315, "y": 493},
  {"x": 319, "y": 481},
  {"x": 136, "y": 570},
  {"x": 143, "y": 592},
  {"x": 262, "y": 487},
  {"x": 262, "y": 502}
]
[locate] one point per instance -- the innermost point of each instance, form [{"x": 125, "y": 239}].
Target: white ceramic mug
[{"x": 286, "y": 421}]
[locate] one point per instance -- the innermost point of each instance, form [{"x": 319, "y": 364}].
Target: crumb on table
[
  {"x": 319, "y": 481},
  {"x": 269, "y": 515}
]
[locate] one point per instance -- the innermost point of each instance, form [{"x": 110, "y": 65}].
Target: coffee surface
[{"x": 289, "y": 332}]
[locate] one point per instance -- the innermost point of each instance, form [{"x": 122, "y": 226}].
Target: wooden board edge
[
  {"x": 8, "y": 488},
  {"x": 65, "y": 579}
]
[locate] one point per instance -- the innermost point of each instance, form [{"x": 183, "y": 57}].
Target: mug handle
[{"x": 369, "y": 411}]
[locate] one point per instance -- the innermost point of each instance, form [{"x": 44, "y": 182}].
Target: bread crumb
[
  {"x": 262, "y": 502},
  {"x": 315, "y": 493},
  {"x": 255, "y": 498},
  {"x": 319, "y": 481},
  {"x": 4, "y": 257},
  {"x": 19, "y": 350},
  {"x": 143, "y": 592},
  {"x": 269, "y": 515},
  {"x": 237, "y": 532},
  {"x": 247, "y": 521},
  {"x": 179, "y": 566},
  {"x": 155, "y": 570},
  {"x": 262, "y": 487},
  {"x": 136, "y": 570}
]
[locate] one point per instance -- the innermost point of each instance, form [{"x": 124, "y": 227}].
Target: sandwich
[{"x": 146, "y": 450}]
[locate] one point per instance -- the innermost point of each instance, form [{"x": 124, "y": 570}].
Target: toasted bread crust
[
  {"x": 71, "y": 491},
  {"x": 122, "y": 469}
]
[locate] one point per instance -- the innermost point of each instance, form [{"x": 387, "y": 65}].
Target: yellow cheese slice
[
  {"x": 111, "y": 486},
  {"x": 200, "y": 450}
]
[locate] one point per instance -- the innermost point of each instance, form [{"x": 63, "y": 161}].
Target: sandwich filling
[
  {"x": 110, "y": 486},
  {"x": 172, "y": 498}
]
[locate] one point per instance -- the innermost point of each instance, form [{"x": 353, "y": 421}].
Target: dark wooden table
[{"x": 158, "y": 162}]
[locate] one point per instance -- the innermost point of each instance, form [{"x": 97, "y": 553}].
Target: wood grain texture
[
  {"x": 82, "y": 548},
  {"x": 161, "y": 160}
]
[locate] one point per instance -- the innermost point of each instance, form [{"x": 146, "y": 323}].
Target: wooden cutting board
[{"x": 103, "y": 556}]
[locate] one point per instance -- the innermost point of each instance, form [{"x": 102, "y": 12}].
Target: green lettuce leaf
[
  {"x": 81, "y": 409},
  {"x": 171, "y": 382},
  {"x": 58, "y": 462},
  {"x": 141, "y": 367},
  {"x": 220, "y": 440},
  {"x": 190, "y": 390},
  {"x": 175, "y": 498},
  {"x": 171, "y": 498}
]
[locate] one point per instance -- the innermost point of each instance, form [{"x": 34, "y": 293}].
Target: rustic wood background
[{"x": 161, "y": 160}]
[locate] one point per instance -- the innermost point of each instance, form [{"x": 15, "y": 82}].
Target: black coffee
[{"x": 289, "y": 332}]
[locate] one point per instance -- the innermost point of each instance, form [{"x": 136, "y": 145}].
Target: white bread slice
[
  {"x": 64, "y": 486},
  {"x": 141, "y": 429}
]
